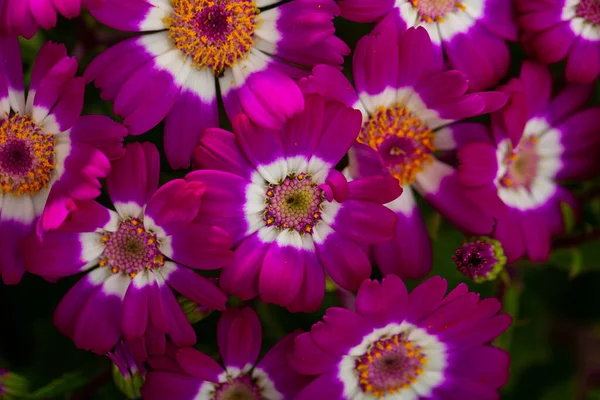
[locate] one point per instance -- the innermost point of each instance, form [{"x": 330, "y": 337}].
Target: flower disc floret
[
  {"x": 215, "y": 34},
  {"x": 435, "y": 10},
  {"x": 241, "y": 388},
  {"x": 294, "y": 204},
  {"x": 131, "y": 249},
  {"x": 27, "y": 156},
  {"x": 589, "y": 10},
  {"x": 404, "y": 142},
  {"x": 390, "y": 365}
]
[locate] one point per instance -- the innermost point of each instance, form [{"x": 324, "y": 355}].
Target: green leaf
[
  {"x": 568, "y": 215},
  {"x": 66, "y": 383},
  {"x": 510, "y": 305}
]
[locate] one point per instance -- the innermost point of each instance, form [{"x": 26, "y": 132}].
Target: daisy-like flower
[
  {"x": 45, "y": 144},
  {"x": 401, "y": 346},
  {"x": 409, "y": 109},
  {"x": 188, "y": 374},
  {"x": 471, "y": 34},
  {"x": 555, "y": 30},
  {"x": 25, "y": 17},
  {"x": 134, "y": 257},
  {"x": 290, "y": 213},
  {"x": 191, "y": 44},
  {"x": 538, "y": 140}
]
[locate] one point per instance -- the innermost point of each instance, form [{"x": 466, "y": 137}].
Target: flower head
[
  {"x": 538, "y": 139},
  {"x": 190, "y": 374},
  {"x": 470, "y": 34},
  {"x": 396, "y": 345},
  {"x": 480, "y": 259},
  {"x": 252, "y": 52},
  {"x": 563, "y": 29},
  {"x": 134, "y": 256},
  {"x": 290, "y": 212},
  {"x": 49, "y": 154},
  {"x": 24, "y": 18},
  {"x": 410, "y": 111}
]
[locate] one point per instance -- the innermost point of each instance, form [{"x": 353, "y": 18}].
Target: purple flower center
[
  {"x": 390, "y": 365},
  {"x": 589, "y": 10},
  {"x": 294, "y": 204},
  {"x": 404, "y": 142},
  {"x": 522, "y": 163},
  {"x": 434, "y": 10},
  {"x": 131, "y": 249},
  {"x": 476, "y": 259},
  {"x": 27, "y": 157},
  {"x": 240, "y": 388},
  {"x": 213, "y": 33}
]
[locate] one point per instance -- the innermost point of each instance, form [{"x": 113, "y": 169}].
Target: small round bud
[{"x": 480, "y": 259}]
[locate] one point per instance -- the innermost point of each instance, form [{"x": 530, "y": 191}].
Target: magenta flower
[
  {"x": 191, "y": 374},
  {"x": 402, "y": 346},
  {"x": 25, "y": 17},
  {"x": 291, "y": 214},
  {"x": 139, "y": 251},
  {"x": 409, "y": 111},
  {"x": 248, "y": 50},
  {"x": 555, "y": 30},
  {"x": 471, "y": 34},
  {"x": 538, "y": 140},
  {"x": 49, "y": 154}
]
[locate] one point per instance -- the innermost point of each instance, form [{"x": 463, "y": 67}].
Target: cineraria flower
[
  {"x": 139, "y": 251},
  {"x": 409, "y": 112},
  {"x": 191, "y": 374},
  {"x": 24, "y": 17},
  {"x": 471, "y": 34},
  {"x": 401, "y": 346},
  {"x": 480, "y": 259},
  {"x": 249, "y": 50},
  {"x": 290, "y": 213},
  {"x": 538, "y": 140},
  {"x": 45, "y": 144},
  {"x": 554, "y": 30}
]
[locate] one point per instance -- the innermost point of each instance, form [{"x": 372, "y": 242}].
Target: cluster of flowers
[{"x": 266, "y": 204}]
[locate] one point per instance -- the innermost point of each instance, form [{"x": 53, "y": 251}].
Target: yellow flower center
[
  {"x": 435, "y": 10},
  {"x": 213, "y": 33},
  {"x": 404, "y": 142},
  {"x": 27, "y": 156}
]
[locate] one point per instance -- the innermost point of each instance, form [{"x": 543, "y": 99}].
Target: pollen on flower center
[
  {"x": 131, "y": 249},
  {"x": 522, "y": 164},
  {"x": 294, "y": 204},
  {"x": 240, "y": 388},
  {"x": 589, "y": 10},
  {"x": 213, "y": 33},
  {"x": 27, "y": 156},
  {"x": 390, "y": 365},
  {"x": 404, "y": 142},
  {"x": 434, "y": 10}
]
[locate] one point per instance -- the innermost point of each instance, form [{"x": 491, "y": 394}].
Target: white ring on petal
[
  {"x": 116, "y": 285},
  {"x": 432, "y": 375},
  {"x": 154, "y": 20},
  {"x": 263, "y": 381},
  {"x": 292, "y": 238},
  {"x": 267, "y": 28},
  {"x": 455, "y": 23},
  {"x": 92, "y": 248}
]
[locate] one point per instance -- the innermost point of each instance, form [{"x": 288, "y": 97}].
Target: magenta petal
[
  {"x": 98, "y": 326},
  {"x": 199, "y": 365},
  {"x": 101, "y": 132},
  {"x": 239, "y": 336},
  {"x": 583, "y": 62},
  {"x": 365, "y": 222},
  {"x": 187, "y": 195},
  {"x": 168, "y": 385},
  {"x": 311, "y": 293},
  {"x": 180, "y": 330},
  {"x": 70, "y": 104},
  {"x": 308, "y": 358},
  {"x": 425, "y": 298},
  {"x": 134, "y": 177},
  {"x": 218, "y": 150},
  {"x": 478, "y": 164},
  {"x": 330, "y": 83},
  {"x": 260, "y": 145},
  {"x": 299, "y": 134},
  {"x": 340, "y": 129},
  {"x": 382, "y": 303},
  {"x": 201, "y": 246},
  {"x": 241, "y": 276},
  {"x": 537, "y": 235},
  {"x": 59, "y": 254},
  {"x": 281, "y": 274},
  {"x": 484, "y": 364},
  {"x": 341, "y": 330},
  {"x": 326, "y": 386},
  {"x": 135, "y": 306},
  {"x": 196, "y": 287},
  {"x": 344, "y": 260},
  {"x": 51, "y": 86},
  {"x": 376, "y": 189},
  {"x": 50, "y": 54}
]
